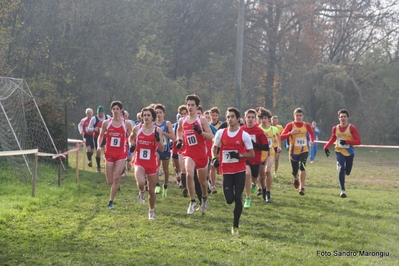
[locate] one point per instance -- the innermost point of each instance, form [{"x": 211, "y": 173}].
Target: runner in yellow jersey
[
  {"x": 296, "y": 133},
  {"x": 272, "y": 133},
  {"x": 276, "y": 144}
]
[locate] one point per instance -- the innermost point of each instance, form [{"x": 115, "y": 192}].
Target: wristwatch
[{"x": 240, "y": 155}]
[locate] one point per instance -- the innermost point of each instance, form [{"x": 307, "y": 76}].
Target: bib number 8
[{"x": 145, "y": 154}]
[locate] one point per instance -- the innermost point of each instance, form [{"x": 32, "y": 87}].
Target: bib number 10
[{"x": 192, "y": 140}]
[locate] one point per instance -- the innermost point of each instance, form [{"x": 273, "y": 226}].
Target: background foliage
[{"x": 320, "y": 55}]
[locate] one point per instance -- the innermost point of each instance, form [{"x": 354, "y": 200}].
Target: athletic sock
[
  {"x": 89, "y": 155},
  {"x": 98, "y": 161},
  {"x": 204, "y": 199},
  {"x": 165, "y": 186},
  {"x": 183, "y": 180}
]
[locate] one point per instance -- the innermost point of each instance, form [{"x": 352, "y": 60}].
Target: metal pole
[{"x": 239, "y": 53}]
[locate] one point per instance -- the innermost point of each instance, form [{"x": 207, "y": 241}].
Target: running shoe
[
  {"x": 296, "y": 183},
  {"x": 343, "y": 194},
  {"x": 213, "y": 190},
  {"x": 111, "y": 206},
  {"x": 164, "y": 192},
  {"x": 247, "y": 203},
  {"x": 151, "y": 215},
  {"x": 160, "y": 171},
  {"x": 191, "y": 207},
  {"x": 157, "y": 189},
  {"x": 89, "y": 164},
  {"x": 234, "y": 231},
  {"x": 204, "y": 205},
  {"x": 268, "y": 197},
  {"x": 259, "y": 192},
  {"x": 141, "y": 197},
  {"x": 253, "y": 189},
  {"x": 98, "y": 169},
  {"x": 302, "y": 191},
  {"x": 185, "y": 192}
]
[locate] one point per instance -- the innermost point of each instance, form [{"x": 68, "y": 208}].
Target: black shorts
[
  {"x": 102, "y": 144},
  {"x": 89, "y": 141},
  {"x": 255, "y": 169}
]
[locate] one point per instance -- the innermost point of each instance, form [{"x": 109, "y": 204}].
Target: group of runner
[{"x": 242, "y": 149}]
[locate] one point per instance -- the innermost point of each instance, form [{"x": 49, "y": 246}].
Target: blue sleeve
[{"x": 213, "y": 129}]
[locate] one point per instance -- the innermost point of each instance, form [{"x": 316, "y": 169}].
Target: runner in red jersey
[
  {"x": 195, "y": 130},
  {"x": 87, "y": 136},
  {"x": 176, "y": 152},
  {"x": 95, "y": 127},
  {"x": 235, "y": 148},
  {"x": 145, "y": 140},
  {"x": 115, "y": 129},
  {"x": 260, "y": 142}
]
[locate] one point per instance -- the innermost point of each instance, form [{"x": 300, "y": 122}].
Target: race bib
[
  {"x": 226, "y": 157},
  {"x": 270, "y": 142},
  {"x": 301, "y": 142},
  {"x": 145, "y": 154},
  {"x": 192, "y": 140},
  {"x": 165, "y": 141},
  {"x": 115, "y": 142}
]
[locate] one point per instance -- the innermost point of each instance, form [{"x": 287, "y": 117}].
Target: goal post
[{"x": 22, "y": 127}]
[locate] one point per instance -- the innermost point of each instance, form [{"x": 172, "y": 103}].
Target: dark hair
[
  {"x": 298, "y": 110},
  {"x": 181, "y": 108},
  {"x": 234, "y": 110},
  {"x": 118, "y": 103},
  {"x": 160, "y": 106},
  {"x": 343, "y": 111},
  {"x": 193, "y": 97},
  {"x": 264, "y": 112},
  {"x": 207, "y": 112},
  {"x": 250, "y": 111},
  {"x": 199, "y": 107},
  {"x": 151, "y": 110},
  {"x": 215, "y": 110}
]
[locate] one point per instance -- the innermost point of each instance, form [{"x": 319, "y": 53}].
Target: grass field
[{"x": 71, "y": 225}]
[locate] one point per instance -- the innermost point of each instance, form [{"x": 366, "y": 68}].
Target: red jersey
[
  {"x": 258, "y": 136},
  {"x": 116, "y": 139},
  {"x": 146, "y": 149},
  {"x": 229, "y": 165},
  {"x": 193, "y": 144},
  {"x": 83, "y": 124}
]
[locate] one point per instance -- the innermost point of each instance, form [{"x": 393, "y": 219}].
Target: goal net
[{"x": 22, "y": 127}]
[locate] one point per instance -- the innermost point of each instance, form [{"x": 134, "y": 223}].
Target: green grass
[{"x": 70, "y": 224}]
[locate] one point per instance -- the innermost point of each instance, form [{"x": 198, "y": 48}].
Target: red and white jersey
[
  {"x": 194, "y": 143},
  {"x": 82, "y": 126},
  {"x": 228, "y": 144},
  {"x": 146, "y": 149},
  {"x": 116, "y": 139}
]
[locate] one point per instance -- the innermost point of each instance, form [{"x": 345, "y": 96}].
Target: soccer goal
[{"x": 22, "y": 127}]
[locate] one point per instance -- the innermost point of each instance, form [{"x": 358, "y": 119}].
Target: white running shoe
[
  {"x": 343, "y": 194},
  {"x": 160, "y": 171},
  {"x": 141, "y": 197},
  {"x": 191, "y": 207},
  {"x": 151, "y": 215},
  {"x": 204, "y": 206}
]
